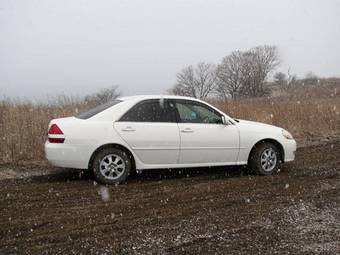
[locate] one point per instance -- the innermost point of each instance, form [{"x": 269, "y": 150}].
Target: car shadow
[
  {"x": 65, "y": 175},
  {"x": 184, "y": 173}
]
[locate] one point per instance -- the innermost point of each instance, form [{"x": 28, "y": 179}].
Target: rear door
[
  {"x": 151, "y": 130},
  {"x": 204, "y": 137}
]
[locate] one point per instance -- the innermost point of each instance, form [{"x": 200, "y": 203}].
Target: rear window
[{"x": 98, "y": 109}]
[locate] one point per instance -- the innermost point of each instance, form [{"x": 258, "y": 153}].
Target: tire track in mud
[{"x": 195, "y": 211}]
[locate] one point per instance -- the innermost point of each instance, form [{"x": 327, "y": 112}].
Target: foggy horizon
[{"x": 77, "y": 47}]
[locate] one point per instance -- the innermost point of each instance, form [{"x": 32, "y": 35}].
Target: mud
[{"x": 195, "y": 211}]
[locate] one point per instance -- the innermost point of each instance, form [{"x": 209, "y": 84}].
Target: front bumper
[{"x": 289, "y": 147}]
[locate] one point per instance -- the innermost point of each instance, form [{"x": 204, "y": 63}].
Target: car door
[
  {"x": 151, "y": 130},
  {"x": 204, "y": 137}
]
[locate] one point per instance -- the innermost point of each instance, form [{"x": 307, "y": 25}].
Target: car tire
[
  {"x": 111, "y": 166},
  {"x": 265, "y": 159}
]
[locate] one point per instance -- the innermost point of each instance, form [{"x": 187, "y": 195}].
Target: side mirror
[{"x": 224, "y": 121}]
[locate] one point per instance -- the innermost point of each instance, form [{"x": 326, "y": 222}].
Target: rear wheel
[
  {"x": 265, "y": 159},
  {"x": 111, "y": 165}
]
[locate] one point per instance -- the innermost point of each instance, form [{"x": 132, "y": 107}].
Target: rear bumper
[
  {"x": 67, "y": 155},
  {"x": 290, "y": 150}
]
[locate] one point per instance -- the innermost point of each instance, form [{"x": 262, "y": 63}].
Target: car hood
[{"x": 257, "y": 126}]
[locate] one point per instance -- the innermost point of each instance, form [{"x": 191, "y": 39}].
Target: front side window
[
  {"x": 150, "y": 111},
  {"x": 194, "y": 112}
]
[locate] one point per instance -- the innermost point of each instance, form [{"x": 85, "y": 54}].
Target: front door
[
  {"x": 204, "y": 137},
  {"x": 151, "y": 130}
]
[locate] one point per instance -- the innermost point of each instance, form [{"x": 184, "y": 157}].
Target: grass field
[{"x": 304, "y": 111}]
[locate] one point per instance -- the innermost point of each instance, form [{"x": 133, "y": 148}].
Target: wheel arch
[
  {"x": 113, "y": 145},
  {"x": 269, "y": 140}
]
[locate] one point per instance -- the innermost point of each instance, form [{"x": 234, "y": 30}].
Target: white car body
[{"x": 161, "y": 145}]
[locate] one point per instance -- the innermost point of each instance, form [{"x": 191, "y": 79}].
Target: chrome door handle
[
  {"x": 187, "y": 130},
  {"x": 128, "y": 129}
]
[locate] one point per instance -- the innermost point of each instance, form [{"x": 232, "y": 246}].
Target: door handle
[
  {"x": 187, "y": 130},
  {"x": 128, "y": 129}
]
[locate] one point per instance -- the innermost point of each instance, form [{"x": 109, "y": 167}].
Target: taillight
[
  {"x": 55, "y": 130},
  {"x": 54, "y": 134},
  {"x": 56, "y": 140}
]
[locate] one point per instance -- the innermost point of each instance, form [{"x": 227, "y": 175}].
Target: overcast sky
[{"x": 77, "y": 46}]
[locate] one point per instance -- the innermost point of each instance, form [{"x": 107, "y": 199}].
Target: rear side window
[
  {"x": 98, "y": 109},
  {"x": 151, "y": 111}
]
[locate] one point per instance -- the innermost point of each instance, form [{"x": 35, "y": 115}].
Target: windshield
[{"x": 98, "y": 109}]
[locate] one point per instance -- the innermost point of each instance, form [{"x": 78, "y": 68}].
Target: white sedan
[{"x": 153, "y": 132}]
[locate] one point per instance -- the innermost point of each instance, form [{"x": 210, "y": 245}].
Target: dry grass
[
  {"x": 23, "y": 128},
  {"x": 23, "y": 125},
  {"x": 305, "y": 117}
]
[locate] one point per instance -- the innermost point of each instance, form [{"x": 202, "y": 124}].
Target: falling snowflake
[{"x": 104, "y": 193}]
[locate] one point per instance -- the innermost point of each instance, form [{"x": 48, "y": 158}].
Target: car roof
[
  {"x": 131, "y": 100},
  {"x": 145, "y": 97}
]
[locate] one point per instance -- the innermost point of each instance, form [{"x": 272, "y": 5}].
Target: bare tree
[
  {"x": 259, "y": 62},
  {"x": 244, "y": 74},
  {"x": 103, "y": 95},
  {"x": 196, "y": 82},
  {"x": 291, "y": 80},
  {"x": 311, "y": 79},
  {"x": 229, "y": 75},
  {"x": 280, "y": 78}
]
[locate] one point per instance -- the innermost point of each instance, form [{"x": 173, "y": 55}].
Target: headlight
[{"x": 286, "y": 134}]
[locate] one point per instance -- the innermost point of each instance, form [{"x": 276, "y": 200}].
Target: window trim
[{"x": 166, "y": 101}]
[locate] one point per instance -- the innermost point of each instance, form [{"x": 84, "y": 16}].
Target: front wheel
[
  {"x": 111, "y": 166},
  {"x": 265, "y": 159}
]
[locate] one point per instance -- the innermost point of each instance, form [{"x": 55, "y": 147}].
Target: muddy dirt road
[{"x": 206, "y": 211}]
